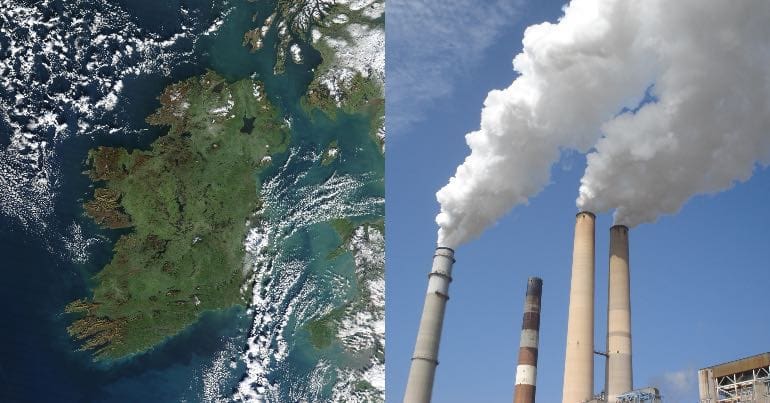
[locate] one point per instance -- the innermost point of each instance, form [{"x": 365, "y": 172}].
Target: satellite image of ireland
[{"x": 192, "y": 201}]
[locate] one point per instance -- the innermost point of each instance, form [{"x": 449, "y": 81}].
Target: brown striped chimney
[{"x": 526, "y": 371}]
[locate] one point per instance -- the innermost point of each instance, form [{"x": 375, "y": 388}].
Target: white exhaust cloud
[
  {"x": 710, "y": 126},
  {"x": 707, "y": 66}
]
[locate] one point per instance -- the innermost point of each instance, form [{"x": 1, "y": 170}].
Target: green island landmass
[
  {"x": 185, "y": 204},
  {"x": 361, "y": 95},
  {"x": 331, "y": 153},
  {"x": 358, "y": 94}
]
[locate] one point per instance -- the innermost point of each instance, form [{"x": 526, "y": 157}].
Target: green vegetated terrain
[
  {"x": 323, "y": 330},
  {"x": 186, "y": 202},
  {"x": 355, "y": 93},
  {"x": 362, "y": 95},
  {"x": 330, "y": 154},
  {"x": 359, "y": 94}
]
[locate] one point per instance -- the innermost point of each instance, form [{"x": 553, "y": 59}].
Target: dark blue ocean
[{"x": 39, "y": 362}]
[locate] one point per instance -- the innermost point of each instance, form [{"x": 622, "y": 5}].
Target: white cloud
[
  {"x": 430, "y": 44},
  {"x": 677, "y": 386}
]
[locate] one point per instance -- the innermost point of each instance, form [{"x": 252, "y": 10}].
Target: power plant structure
[
  {"x": 619, "y": 374},
  {"x": 744, "y": 380},
  {"x": 644, "y": 395},
  {"x": 526, "y": 370},
  {"x": 579, "y": 359},
  {"x": 419, "y": 385},
  {"x": 578, "y": 384}
]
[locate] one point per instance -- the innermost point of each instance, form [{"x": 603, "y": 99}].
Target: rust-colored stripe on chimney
[{"x": 526, "y": 371}]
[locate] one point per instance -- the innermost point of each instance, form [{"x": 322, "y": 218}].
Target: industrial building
[{"x": 744, "y": 380}]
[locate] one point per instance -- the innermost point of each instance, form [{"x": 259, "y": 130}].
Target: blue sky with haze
[{"x": 700, "y": 278}]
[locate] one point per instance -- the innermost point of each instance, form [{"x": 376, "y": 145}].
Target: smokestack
[
  {"x": 419, "y": 386},
  {"x": 579, "y": 361},
  {"x": 526, "y": 371},
  {"x": 619, "y": 376}
]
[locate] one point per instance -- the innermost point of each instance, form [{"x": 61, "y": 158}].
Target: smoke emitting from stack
[
  {"x": 668, "y": 106},
  {"x": 665, "y": 106},
  {"x": 419, "y": 386},
  {"x": 526, "y": 370}
]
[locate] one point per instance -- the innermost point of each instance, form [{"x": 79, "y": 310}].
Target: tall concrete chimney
[
  {"x": 419, "y": 386},
  {"x": 619, "y": 376},
  {"x": 579, "y": 361},
  {"x": 526, "y": 371}
]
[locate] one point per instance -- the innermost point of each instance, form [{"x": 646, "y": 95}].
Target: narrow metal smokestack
[
  {"x": 419, "y": 386},
  {"x": 526, "y": 371},
  {"x": 619, "y": 375},
  {"x": 579, "y": 361}
]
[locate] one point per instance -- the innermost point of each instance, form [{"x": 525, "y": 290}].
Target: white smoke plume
[
  {"x": 710, "y": 126},
  {"x": 705, "y": 62}
]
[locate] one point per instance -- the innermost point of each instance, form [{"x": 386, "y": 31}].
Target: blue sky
[{"x": 700, "y": 279}]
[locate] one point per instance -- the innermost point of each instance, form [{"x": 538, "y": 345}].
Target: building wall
[{"x": 744, "y": 380}]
